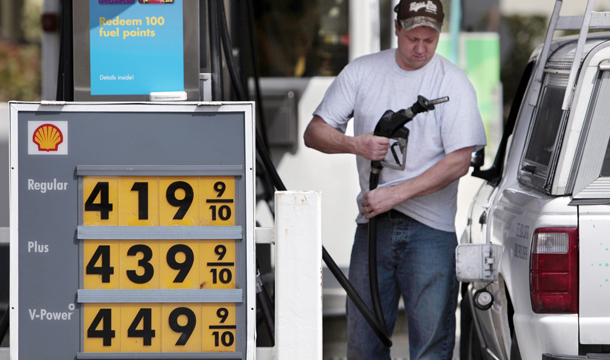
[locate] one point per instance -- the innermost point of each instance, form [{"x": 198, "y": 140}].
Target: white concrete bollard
[{"x": 298, "y": 275}]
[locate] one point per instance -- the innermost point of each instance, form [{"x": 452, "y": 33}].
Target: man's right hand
[
  {"x": 372, "y": 147},
  {"x": 323, "y": 137}
]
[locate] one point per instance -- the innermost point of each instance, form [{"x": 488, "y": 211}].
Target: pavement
[{"x": 335, "y": 338}]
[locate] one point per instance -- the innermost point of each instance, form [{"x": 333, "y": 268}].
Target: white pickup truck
[{"x": 535, "y": 256}]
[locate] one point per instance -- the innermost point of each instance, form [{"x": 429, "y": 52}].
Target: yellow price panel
[
  {"x": 179, "y": 201},
  {"x": 179, "y": 269},
  {"x": 219, "y": 327},
  {"x": 218, "y": 264},
  {"x": 140, "y": 263},
  {"x": 101, "y": 264},
  {"x": 138, "y": 201},
  {"x": 102, "y": 327},
  {"x": 217, "y": 200},
  {"x": 158, "y": 201},
  {"x": 129, "y": 328},
  {"x": 140, "y": 328},
  {"x": 159, "y": 264},
  {"x": 101, "y": 194},
  {"x": 182, "y": 330}
]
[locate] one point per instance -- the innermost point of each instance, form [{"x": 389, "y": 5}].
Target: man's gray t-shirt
[{"x": 372, "y": 84}]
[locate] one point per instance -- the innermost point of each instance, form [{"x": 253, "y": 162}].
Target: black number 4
[
  {"x": 104, "y": 316},
  {"x": 144, "y": 316},
  {"x": 104, "y": 206},
  {"x": 103, "y": 252}
]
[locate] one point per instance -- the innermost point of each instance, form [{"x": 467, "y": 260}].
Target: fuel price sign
[{"x": 146, "y": 248}]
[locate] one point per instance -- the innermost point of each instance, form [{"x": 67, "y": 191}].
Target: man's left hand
[
  {"x": 447, "y": 170},
  {"x": 379, "y": 201}
]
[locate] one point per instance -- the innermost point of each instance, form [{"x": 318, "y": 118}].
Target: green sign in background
[{"x": 479, "y": 57}]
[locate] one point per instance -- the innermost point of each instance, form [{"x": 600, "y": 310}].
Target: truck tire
[
  {"x": 470, "y": 346},
  {"x": 515, "y": 354}
]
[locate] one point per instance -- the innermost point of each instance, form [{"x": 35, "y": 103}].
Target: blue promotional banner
[{"x": 137, "y": 47}]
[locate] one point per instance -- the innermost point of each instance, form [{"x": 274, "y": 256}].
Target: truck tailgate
[{"x": 594, "y": 274}]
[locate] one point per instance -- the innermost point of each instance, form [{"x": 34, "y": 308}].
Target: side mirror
[{"x": 477, "y": 159}]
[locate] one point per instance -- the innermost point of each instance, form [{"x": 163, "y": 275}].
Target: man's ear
[{"x": 396, "y": 27}]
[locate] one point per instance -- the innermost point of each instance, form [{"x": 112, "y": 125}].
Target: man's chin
[{"x": 418, "y": 63}]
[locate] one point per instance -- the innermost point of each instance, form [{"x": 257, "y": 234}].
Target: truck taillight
[{"x": 554, "y": 270}]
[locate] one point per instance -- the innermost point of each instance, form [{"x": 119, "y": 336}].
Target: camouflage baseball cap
[{"x": 414, "y": 13}]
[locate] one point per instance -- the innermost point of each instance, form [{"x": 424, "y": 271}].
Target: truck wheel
[
  {"x": 470, "y": 347},
  {"x": 474, "y": 346}
]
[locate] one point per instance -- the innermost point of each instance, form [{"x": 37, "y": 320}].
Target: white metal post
[
  {"x": 298, "y": 275},
  {"x": 363, "y": 27},
  {"x": 50, "y": 53}
]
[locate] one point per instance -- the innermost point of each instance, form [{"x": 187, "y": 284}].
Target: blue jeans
[{"x": 418, "y": 262}]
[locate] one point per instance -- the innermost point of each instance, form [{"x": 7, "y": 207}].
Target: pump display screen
[{"x": 132, "y": 234}]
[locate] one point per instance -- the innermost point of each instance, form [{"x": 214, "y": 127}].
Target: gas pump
[{"x": 143, "y": 270}]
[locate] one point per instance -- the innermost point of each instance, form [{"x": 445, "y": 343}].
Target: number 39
[{"x": 105, "y": 270}]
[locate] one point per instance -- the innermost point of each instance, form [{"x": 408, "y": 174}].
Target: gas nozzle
[
  {"x": 391, "y": 125},
  {"x": 436, "y": 101},
  {"x": 391, "y": 122},
  {"x": 425, "y": 105}
]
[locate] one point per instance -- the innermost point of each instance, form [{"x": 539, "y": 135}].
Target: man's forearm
[
  {"x": 323, "y": 137},
  {"x": 450, "y": 168}
]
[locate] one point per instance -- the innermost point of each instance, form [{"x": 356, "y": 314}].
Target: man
[{"x": 415, "y": 208}]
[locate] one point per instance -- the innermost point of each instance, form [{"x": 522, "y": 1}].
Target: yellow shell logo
[{"x": 48, "y": 137}]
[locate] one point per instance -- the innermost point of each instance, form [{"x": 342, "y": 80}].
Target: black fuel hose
[
  {"x": 4, "y": 324},
  {"x": 255, "y": 69},
  {"x": 227, "y": 48},
  {"x": 279, "y": 185},
  {"x": 373, "y": 281},
  {"x": 266, "y": 305},
  {"x": 65, "y": 71},
  {"x": 390, "y": 126},
  {"x": 262, "y": 297},
  {"x": 215, "y": 55}
]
